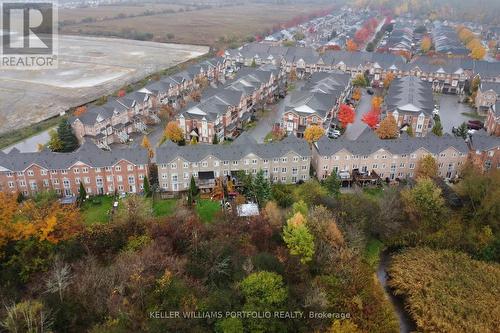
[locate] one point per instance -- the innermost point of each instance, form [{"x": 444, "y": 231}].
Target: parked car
[
  {"x": 333, "y": 133},
  {"x": 475, "y": 124},
  {"x": 370, "y": 91}
]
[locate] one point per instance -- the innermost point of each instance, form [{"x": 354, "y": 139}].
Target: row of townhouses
[
  {"x": 100, "y": 171},
  {"x": 447, "y": 75},
  {"x": 223, "y": 110},
  {"x": 317, "y": 102},
  {"x": 287, "y": 161},
  {"x": 368, "y": 159},
  {"x": 119, "y": 117}
]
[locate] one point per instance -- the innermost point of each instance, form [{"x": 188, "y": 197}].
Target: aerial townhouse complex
[
  {"x": 100, "y": 171},
  {"x": 115, "y": 120},
  {"x": 287, "y": 162},
  {"x": 370, "y": 158},
  {"x": 409, "y": 100},
  {"x": 222, "y": 111},
  {"x": 447, "y": 75},
  {"x": 317, "y": 102}
]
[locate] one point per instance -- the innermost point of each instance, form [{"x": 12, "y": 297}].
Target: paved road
[
  {"x": 266, "y": 121},
  {"x": 30, "y": 144},
  {"x": 450, "y": 111},
  {"x": 354, "y": 130}
]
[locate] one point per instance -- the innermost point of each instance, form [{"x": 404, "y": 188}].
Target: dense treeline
[{"x": 308, "y": 251}]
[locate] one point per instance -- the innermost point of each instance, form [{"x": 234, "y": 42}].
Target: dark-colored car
[
  {"x": 370, "y": 91},
  {"x": 475, "y": 124}
]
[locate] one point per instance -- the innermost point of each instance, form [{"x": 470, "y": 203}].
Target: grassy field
[
  {"x": 164, "y": 207},
  {"x": 94, "y": 213},
  {"x": 203, "y": 27},
  {"x": 15, "y": 136},
  {"x": 207, "y": 209},
  {"x": 372, "y": 252},
  {"x": 111, "y": 11}
]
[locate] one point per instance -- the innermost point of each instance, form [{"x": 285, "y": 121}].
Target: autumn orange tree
[
  {"x": 313, "y": 133},
  {"x": 351, "y": 46},
  {"x": 346, "y": 115},
  {"x": 147, "y": 145},
  {"x": 356, "y": 95},
  {"x": 173, "y": 132},
  {"x": 388, "y": 128},
  {"x": 426, "y": 44},
  {"x": 42, "y": 220},
  {"x": 377, "y": 102},
  {"x": 388, "y": 80},
  {"x": 80, "y": 110}
]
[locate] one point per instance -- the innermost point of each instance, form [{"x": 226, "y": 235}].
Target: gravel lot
[{"x": 88, "y": 68}]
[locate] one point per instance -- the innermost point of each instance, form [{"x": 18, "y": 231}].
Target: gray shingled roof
[
  {"x": 368, "y": 142},
  {"x": 482, "y": 141},
  {"x": 236, "y": 151},
  {"x": 410, "y": 95},
  {"x": 88, "y": 153}
]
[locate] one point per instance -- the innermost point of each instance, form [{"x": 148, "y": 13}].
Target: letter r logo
[{"x": 27, "y": 27}]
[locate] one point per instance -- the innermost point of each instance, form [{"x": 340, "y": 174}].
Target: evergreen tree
[
  {"x": 462, "y": 131},
  {"x": 261, "y": 188},
  {"x": 438, "y": 128},
  {"x": 193, "y": 190},
  {"x": 332, "y": 184},
  {"x": 68, "y": 139},
  {"x": 82, "y": 194},
  {"x": 147, "y": 187},
  {"x": 215, "y": 140}
]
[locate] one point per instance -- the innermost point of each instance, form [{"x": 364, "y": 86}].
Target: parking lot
[{"x": 451, "y": 112}]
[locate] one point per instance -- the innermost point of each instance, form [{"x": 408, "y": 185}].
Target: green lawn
[
  {"x": 207, "y": 209},
  {"x": 94, "y": 213},
  {"x": 374, "y": 192},
  {"x": 372, "y": 252},
  {"x": 164, "y": 207}
]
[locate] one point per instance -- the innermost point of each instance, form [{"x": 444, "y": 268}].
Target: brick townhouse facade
[
  {"x": 388, "y": 159},
  {"x": 101, "y": 172},
  {"x": 287, "y": 161},
  {"x": 492, "y": 123}
]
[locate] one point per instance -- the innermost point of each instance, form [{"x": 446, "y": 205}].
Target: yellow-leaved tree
[
  {"x": 43, "y": 220},
  {"x": 313, "y": 133},
  {"x": 173, "y": 132},
  {"x": 388, "y": 128}
]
